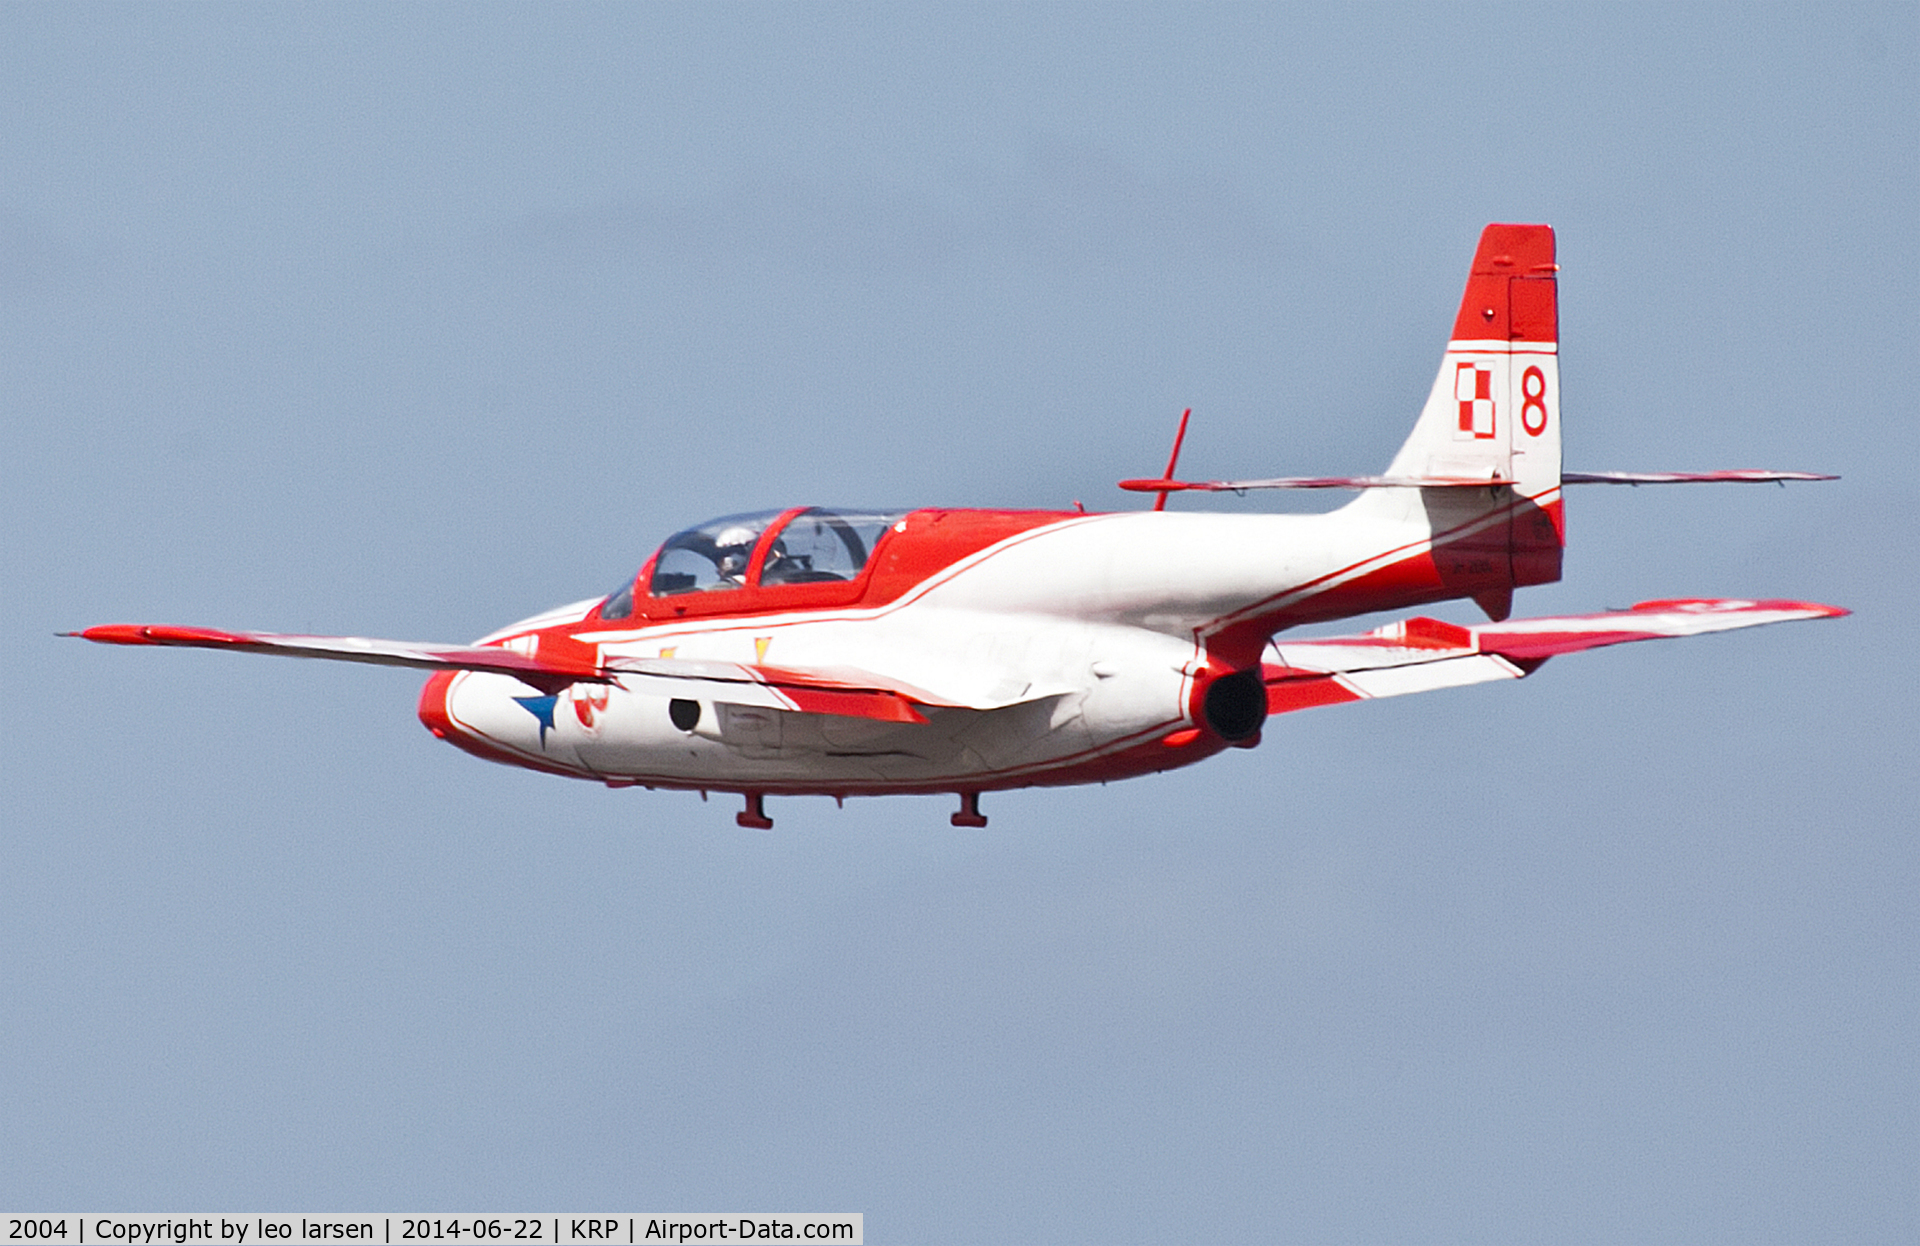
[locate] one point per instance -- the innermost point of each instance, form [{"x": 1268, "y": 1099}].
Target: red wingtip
[
  {"x": 1709, "y": 604},
  {"x": 114, "y": 634},
  {"x": 160, "y": 634}
]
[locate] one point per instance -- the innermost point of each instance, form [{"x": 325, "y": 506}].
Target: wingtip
[
  {"x": 1813, "y": 609},
  {"x": 1716, "y": 605},
  {"x": 114, "y": 634}
]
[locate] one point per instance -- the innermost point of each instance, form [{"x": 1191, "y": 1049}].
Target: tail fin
[{"x": 1494, "y": 412}]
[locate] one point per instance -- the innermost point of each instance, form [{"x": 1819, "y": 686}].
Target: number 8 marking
[{"x": 1533, "y": 405}]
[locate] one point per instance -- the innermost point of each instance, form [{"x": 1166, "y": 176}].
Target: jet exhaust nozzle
[{"x": 1234, "y": 706}]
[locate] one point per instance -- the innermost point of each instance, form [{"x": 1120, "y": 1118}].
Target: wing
[
  {"x": 843, "y": 691},
  {"x": 551, "y": 662},
  {"x": 1420, "y": 654},
  {"x": 540, "y": 669}
]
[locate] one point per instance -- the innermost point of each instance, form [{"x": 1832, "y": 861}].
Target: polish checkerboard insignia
[{"x": 1473, "y": 389}]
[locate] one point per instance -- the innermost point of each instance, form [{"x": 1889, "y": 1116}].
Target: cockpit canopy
[
  {"x": 812, "y": 546},
  {"x": 713, "y": 556}
]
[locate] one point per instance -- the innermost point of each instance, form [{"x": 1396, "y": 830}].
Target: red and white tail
[
  {"x": 1493, "y": 417},
  {"x": 1494, "y": 413}
]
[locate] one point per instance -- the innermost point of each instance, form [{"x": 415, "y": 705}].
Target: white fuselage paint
[{"x": 1067, "y": 642}]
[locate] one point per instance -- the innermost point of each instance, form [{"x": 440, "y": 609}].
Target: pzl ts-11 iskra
[{"x": 849, "y": 652}]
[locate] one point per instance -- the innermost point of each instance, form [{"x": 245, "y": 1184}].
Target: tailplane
[
  {"x": 1493, "y": 418},
  {"x": 1480, "y": 475}
]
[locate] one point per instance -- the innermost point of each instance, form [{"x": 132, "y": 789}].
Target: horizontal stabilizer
[
  {"x": 1314, "y": 482},
  {"x": 1420, "y": 654},
  {"x": 1735, "y": 476}
]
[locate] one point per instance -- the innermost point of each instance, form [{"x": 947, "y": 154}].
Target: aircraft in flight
[{"x": 848, "y": 652}]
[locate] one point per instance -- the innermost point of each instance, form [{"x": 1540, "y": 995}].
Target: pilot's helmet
[{"x": 735, "y": 545}]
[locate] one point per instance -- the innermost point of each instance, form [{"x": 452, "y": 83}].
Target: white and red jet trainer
[{"x": 859, "y": 653}]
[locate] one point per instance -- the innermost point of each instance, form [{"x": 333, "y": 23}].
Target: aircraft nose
[{"x": 433, "y": 705}]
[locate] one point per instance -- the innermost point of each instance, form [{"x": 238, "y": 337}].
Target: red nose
[{"x": 433, "y": 705}]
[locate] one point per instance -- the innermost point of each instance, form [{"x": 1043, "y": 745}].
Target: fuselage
[{"x": 1053, "y": 647}]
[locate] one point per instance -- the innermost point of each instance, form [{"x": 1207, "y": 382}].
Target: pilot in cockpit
[{"x": 734, "y": 548}]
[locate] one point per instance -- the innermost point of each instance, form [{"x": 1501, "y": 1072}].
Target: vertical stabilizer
[{"x": 1494, "y": 411}]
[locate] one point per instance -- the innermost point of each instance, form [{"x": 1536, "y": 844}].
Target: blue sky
[{"x": 411, "y": 321}]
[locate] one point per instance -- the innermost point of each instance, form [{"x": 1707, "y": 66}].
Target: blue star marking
[{"x": 542, "y": 709}]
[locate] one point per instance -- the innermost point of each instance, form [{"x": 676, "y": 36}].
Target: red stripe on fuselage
[{"x": 1405, "y": 575}]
